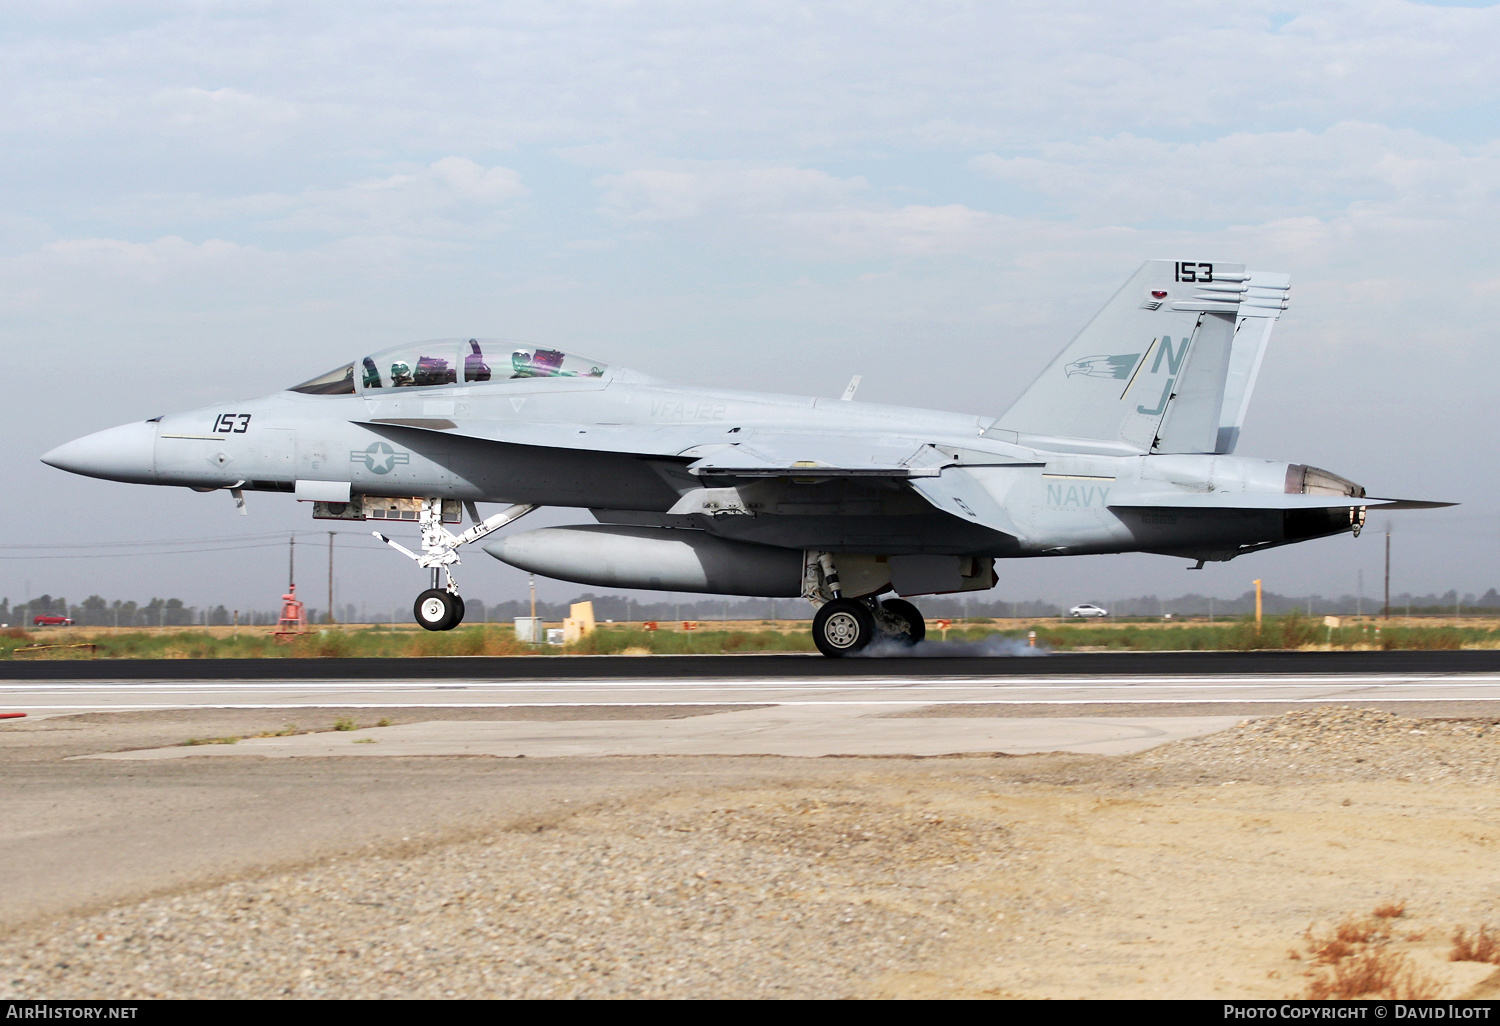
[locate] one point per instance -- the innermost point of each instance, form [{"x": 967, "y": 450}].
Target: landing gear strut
[
  {"x": 440, "y": 607},
  {"x": 900, "y": 621},
  {"x": 841, "y": 625}
]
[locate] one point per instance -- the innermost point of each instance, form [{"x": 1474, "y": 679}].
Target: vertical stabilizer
[
  {"x": 1151, "y": 371},
  {"x": 1269, "y": 294}
]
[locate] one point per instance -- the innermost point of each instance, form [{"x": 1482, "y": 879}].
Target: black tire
[
  {"x": 436, "y": 610},
  {"x": 904, "y": 610},
  {"x": 458, "y": 600},
  {"x": 843, "y": 626}
]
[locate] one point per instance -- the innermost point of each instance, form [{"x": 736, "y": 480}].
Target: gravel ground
[
  {"x": 784, "y": 896},
  {"x": 1053, "y": 876},
  {"x": 1340, "y": 744}
]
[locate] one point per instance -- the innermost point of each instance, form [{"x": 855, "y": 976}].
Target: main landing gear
[
  {"x": 843, "y": 626},
  {"x": 441, "y": 607}
]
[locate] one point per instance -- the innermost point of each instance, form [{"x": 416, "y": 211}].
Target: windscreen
[
  {"x": 339, "y": 381},
  {"x": 469, "y": 361}
]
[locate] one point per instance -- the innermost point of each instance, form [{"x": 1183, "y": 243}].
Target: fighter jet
[{"x": 1123, "y": 444}]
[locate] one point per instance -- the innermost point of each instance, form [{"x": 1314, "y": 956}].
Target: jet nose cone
[{"x": 124, "y": 453}]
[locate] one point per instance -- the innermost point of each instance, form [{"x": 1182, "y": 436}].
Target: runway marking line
[
  {"x": 718, "y": 685},
  {"x": 767, "y": 705}
]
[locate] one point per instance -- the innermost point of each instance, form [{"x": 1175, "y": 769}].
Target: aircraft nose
[{"x": 124, "y": 453}]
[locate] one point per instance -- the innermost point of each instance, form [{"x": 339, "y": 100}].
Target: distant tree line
[{"x": 95, "y": 611}]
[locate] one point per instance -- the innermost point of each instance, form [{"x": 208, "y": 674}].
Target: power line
[
  {"x": 175, "y": 541},
  {"x": 257, "y": 540},
  {"x": 168, "y": 552}
]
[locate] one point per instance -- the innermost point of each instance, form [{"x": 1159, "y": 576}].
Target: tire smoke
[{"x": 996, "y": 645}]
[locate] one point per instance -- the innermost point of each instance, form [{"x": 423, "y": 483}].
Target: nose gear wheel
[{"x": 438, "y": 610}]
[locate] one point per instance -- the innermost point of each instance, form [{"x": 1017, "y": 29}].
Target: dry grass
[
  {"x": 1345, "y": 940},
  {"x": 1372, "y": 972},
  {"x": 286, "y": 731},
  {"x": 1483, "y": 946},
  {"x": 1356, "y": 960}
]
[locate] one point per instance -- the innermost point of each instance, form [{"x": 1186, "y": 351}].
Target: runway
[
  {"x": 894, "y": 712},
  {"x": 888, "y": 694},
  {"x": 950, "y": 661}
]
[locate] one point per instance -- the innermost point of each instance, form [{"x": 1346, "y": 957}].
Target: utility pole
[
  {"x": 1387, "y": 571},
  {"x": 533, "y": 596},
  {"x": 1257, "y": 603},
  {"x": 331, "y": 617}
]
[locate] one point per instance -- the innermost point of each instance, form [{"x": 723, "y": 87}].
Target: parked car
[
  {"x": 46, "y": 620},
  {"x": 1088, "y": 609}
]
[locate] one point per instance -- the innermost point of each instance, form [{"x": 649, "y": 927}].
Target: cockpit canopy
[{"x": 438, "y": 362}]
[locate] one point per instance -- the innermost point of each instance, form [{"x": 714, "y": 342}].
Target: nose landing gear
[{"x": 440, "y": 607}]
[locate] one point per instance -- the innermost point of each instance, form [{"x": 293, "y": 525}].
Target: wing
[
  {"x": 638, "y": 440},
  {"x": 816, "y": 455}
]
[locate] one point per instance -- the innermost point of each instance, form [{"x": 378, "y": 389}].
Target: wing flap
[{"x": 960, "y": 494}]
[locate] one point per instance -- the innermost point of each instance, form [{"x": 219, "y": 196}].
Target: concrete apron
[{"x": 804, "y": 731}]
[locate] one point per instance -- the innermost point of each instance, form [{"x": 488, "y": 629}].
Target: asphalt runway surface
[
  {"x": 768, "y": 665},
  {"x": 763, "y": 705}
]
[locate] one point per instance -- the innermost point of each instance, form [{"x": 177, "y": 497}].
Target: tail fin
[
  {"x": 1162, "y": 368},
  {"x": 1268, "y": 295}
]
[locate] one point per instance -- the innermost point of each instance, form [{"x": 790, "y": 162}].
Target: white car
[{"x": 1088, "y": 609}]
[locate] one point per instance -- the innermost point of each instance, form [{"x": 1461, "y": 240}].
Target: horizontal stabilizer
[
  {"x": 1267, "y": 500},
  {"x": 1409, "y": 504}
]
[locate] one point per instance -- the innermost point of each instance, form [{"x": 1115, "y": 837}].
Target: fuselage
[{"x": 621, "y": 444}]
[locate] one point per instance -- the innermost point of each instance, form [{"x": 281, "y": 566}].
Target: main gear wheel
[{"x": 843, "y": 626}]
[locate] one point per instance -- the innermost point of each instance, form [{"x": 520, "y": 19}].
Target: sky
[{"x": 208, "y": 201}]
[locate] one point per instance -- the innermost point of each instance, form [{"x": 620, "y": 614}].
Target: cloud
[
  {"x": 645, "y": 195},
  {"x": 452, "y": 196},
  {"x": 260, "y": 82},
  {"x": 804, "y": 209},
  {"x": 1248, "y": 176}
]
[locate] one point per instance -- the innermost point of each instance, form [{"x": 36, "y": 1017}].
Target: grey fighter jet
[{"x": 1123, "y": 444}]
